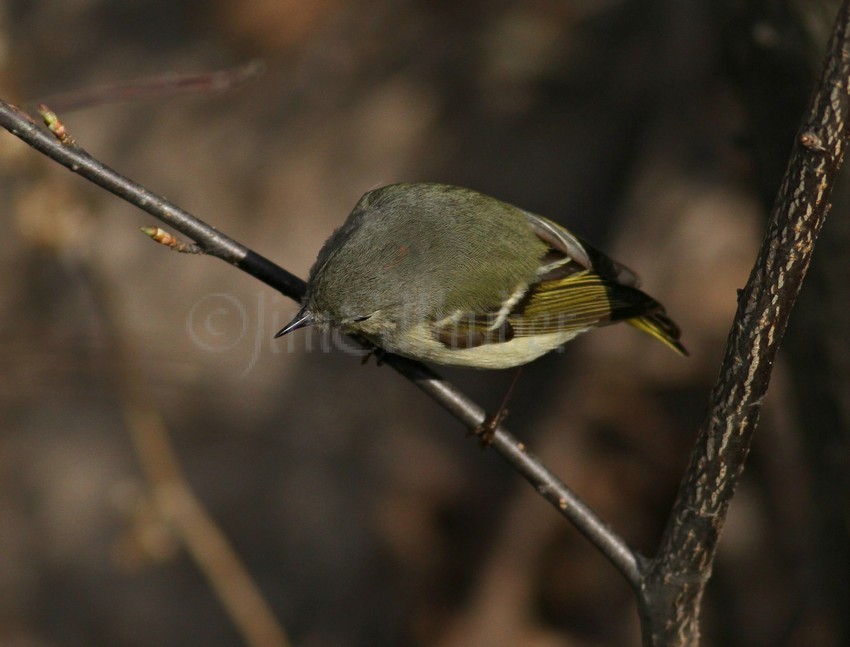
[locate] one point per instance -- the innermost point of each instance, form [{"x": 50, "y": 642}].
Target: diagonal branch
[
  {"x": 214, "y": 243},
  {"x": 675, "y": 579},
  {"x": 166, "y": 85}
]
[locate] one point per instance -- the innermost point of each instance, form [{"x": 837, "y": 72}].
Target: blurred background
[{"x": 657, "y": 129}]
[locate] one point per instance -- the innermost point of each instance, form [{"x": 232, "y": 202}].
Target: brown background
[{"x": 362, "y": 512}]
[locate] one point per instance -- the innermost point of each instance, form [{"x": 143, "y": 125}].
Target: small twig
[
  {"x": 214, "y": 243},
  {"x": 157, "y": 87}
]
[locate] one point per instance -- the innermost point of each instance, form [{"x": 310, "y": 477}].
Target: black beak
[{"x": 302, "y": 319}]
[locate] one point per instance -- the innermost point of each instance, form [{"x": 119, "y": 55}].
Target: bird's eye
[{"x": 364, "y": 318}]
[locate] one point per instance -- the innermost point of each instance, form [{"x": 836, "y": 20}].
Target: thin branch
[
  {"x": 210, "y": 240},
  {"x": 676, "y": 578},
  {"x": 155, "y": 87},
  {"x": 214, "y": 243},
  {"x": 528, "y": 465}
]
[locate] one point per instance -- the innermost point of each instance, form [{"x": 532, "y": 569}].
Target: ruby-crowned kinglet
[{"x": 447, "y": 275}]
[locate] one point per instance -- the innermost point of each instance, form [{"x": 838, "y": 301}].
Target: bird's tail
[{"x": 660, "y": 326}]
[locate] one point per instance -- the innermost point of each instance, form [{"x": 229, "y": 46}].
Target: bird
[{"x": 448, "y": 275}]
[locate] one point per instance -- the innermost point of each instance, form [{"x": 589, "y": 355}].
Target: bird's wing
[{"x": 578, "y": 288}]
